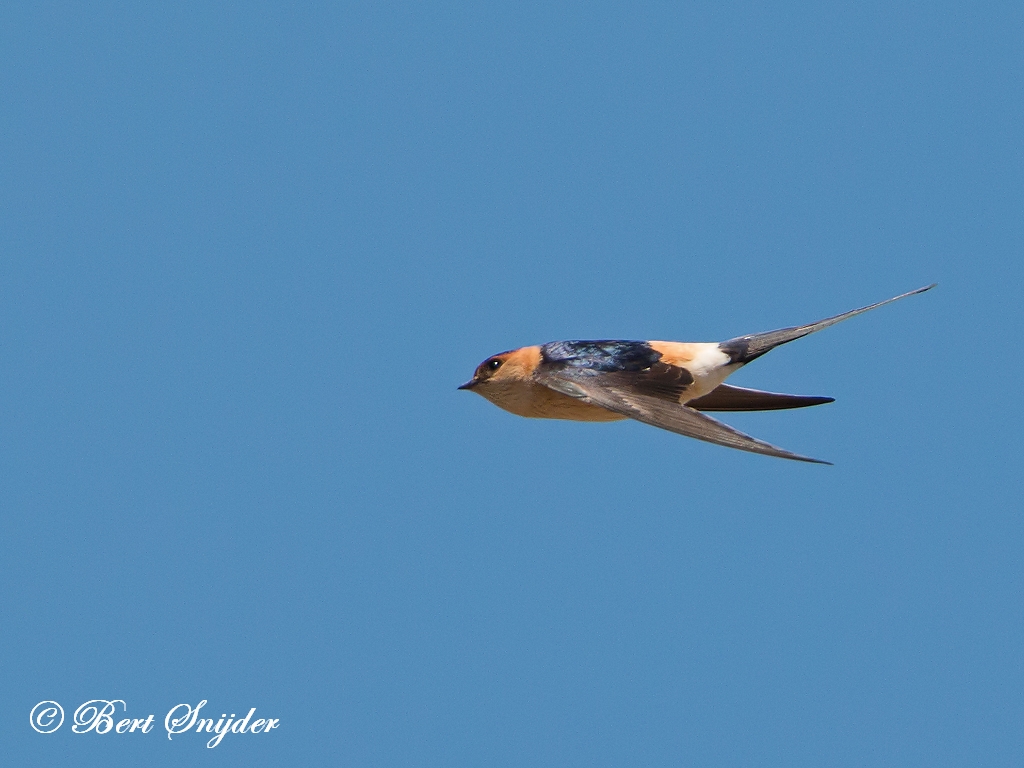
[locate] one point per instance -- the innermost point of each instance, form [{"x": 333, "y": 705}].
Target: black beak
[{"x": 467, "y": 385}]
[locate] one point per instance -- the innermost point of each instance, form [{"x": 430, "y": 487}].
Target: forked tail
[{"x": 743, "y": 349}]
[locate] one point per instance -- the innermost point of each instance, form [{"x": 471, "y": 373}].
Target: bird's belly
[{"x": 535, "y": 401}]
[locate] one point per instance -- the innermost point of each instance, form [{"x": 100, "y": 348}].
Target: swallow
[{"x": 667, "y": 384}]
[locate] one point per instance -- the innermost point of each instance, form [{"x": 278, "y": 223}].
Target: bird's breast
[{"x": 535, "y": 401}]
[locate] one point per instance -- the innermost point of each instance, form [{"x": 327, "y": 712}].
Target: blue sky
[{"x": 247, "y": 252}]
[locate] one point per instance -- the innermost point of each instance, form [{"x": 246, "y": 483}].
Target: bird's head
[
  {"x": 503, "y": 370},
  {"x": 486, "y": 371}
]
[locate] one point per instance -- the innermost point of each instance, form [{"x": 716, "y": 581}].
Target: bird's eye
[{"x": 493, "y": 365}]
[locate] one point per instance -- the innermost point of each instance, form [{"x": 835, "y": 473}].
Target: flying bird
[{"x": 666, "y": 384}]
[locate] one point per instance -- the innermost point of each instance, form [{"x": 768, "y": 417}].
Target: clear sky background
[{"x": 248, "y": 251}]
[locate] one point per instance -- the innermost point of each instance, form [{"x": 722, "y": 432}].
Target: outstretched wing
[{"x": 607, "y": 390}]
